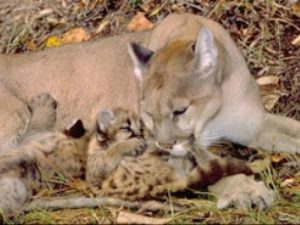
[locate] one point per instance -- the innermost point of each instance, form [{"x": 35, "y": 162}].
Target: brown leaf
[
  {"x": 30, "y": 45},
  {"x": 139, "y": 23},
  {"x": 75, "y": 35},
  {"x": 269, "y": 101},
  {"x": 296, "y": 7},
  {"x": 268, "y": 86},
  {"x": 103, "y": 25},
  {"x": 268, "y": 80},
  {"x": 278, "y": 157},
  {"x": 296, "y": 41},
  {"x": 132, "y": 218},
  {"x": 287, "y": 182}
]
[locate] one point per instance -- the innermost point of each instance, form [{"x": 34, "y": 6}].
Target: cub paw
[
  {"x": 240, "y": 191},
  {"x": 43, "y": 109},
  {"x": 135, "y": 147},
  {"x": 43, "y": 100}
]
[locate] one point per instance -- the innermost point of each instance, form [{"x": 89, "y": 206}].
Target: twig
[{"x": 55, "y": 203}]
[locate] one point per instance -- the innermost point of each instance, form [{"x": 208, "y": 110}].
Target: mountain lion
[
  {"x": 222, "y": 100},
  {"x": 198, "y": 84}
]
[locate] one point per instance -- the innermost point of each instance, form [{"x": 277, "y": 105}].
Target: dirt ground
[{"x": 265, "y": 30}]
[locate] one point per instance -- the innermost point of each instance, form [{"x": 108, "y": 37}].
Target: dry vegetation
[{"x": 263, "y": 29}]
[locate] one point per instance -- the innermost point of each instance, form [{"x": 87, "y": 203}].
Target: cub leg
[
  {"x": 241, "y": 191},
  {"x": 43, "y": 109},
  {"x": 102, "y": 162},
  {"x": 14, "y": 119},
  {"x": 13, "y": 195},
  {"x": 211, "y": 168},
  {"x": 16, "y": 190}
]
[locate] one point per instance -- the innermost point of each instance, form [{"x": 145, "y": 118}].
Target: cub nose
[{"x": 167, "y": 144}]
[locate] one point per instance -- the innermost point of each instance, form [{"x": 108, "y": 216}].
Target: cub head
[
  {"x": 70, "y": 153},
  {"x": 181, "y": 85},
  {"x": 118, "y": 124}
]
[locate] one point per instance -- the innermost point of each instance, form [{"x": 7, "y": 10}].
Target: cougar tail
[{"x": 278, "y": 133}]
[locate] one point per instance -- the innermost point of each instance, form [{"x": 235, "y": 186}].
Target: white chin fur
[
  {"x": 138, "y": 74},
  {"x": 179, "y": 150}
]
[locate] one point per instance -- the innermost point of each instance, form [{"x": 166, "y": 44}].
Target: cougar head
[{"x": 181, "y": 85}]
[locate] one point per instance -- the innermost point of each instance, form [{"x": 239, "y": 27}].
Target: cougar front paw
[
  {"x": 135, "y": 147},
  {"x": 241, "y": 191},
  {"x": 43, "y": 109}
]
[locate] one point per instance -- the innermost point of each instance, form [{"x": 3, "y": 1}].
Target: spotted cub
[
  {"x": 123, "y": 162},
  {"x": 42, "y": 155}
]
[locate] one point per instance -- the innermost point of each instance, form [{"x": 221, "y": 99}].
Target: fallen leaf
[
  {"x": 269, "y": 101},
  {"x": 278, "y": 157},
  {"x": 132, "y": 218},
  {"x": 139, "y": 23},
  {"x": 268, "y": 86},
  {"x": 53, "y": 41},
  {"x": 296, "y": 41},
  {"x": 103, "y": 25},
  {"x": 30, "y": 45},
  {"x": 75, "y": 35},
  {"x": 268, "y": 80},
  {"x": 157, "y": 10},
  {"x": 145, "y": 6},
  {"x": 287, "y": 182},
  {"x": 296, "y": 7}
]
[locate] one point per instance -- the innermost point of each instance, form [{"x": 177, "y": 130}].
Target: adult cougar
[
  {"x": 89, "y": 76},
  {"x": 198, "y": 84}
]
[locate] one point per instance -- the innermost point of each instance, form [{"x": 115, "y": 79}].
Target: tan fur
[
  {"x": 42, "y": 156},
  {"x": 87, "y": 76},
  {"x": 122, "y": 166},
  {"x": 72, "y": 74},
  {"x": 199, "y": 68}
]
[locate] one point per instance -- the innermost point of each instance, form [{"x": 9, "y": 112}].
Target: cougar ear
[
  {"x": 105, "y": 118},
  {"x": 76, "y": 129},
  {"x": 140, "y": 57},
  {"x": 206, "y": 53}
]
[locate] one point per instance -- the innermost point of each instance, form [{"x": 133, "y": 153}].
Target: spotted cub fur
[
  {"x": 41, "y": 155},
  {"x": 124, "y": 163}
]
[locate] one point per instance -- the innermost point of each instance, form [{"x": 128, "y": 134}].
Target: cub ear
[
  {"x": 140, "y": 57},
  {"x": 206, "y": 53},
  {"x": 76, "y": 130},
  {"x": 105, "y": 119}
]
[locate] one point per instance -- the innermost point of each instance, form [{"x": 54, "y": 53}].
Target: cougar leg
[
  {"x": 278, "y": 133},
  {"x": 14, "y": 119}
]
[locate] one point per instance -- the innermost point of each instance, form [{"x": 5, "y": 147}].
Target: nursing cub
[
  {"x": 42, "y": 155},
  {"x": 123, "y": 162}
]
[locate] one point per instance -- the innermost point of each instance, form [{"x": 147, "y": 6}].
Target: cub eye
[
  {"x": 180, "y": 111},
  {"x": 127, "y": 129}
]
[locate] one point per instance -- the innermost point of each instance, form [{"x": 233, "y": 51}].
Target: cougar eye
[{"x": 180, "y": 111}]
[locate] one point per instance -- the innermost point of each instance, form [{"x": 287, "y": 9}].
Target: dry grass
[{"x": 263, "y": 29}]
